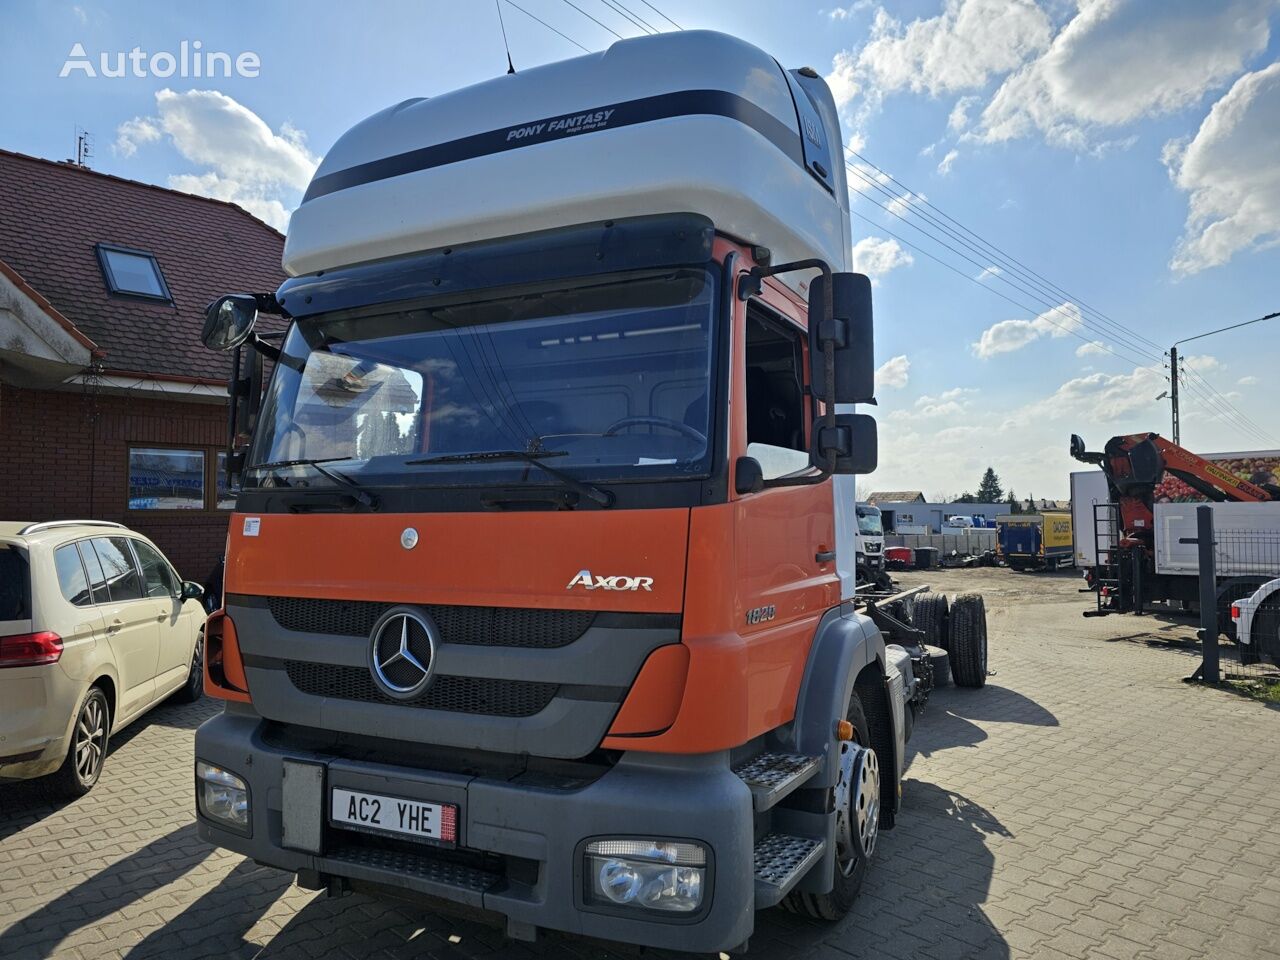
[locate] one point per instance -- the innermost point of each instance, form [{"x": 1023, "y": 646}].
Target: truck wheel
[
  {"x": 940, "y": 660},
  {"x": 968, "y": 637},
  {"x": 857, "y": 796},
  {"x": 930, "y": 615}
]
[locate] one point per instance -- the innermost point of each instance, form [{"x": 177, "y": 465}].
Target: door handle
[
  {"x": 114, "y": 626},
  {"x": 824, "y": 556},
  {"x": 160, "y": 618}
]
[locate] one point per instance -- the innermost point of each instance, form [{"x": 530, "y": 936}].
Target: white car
[
  {"x": 96, "y": 628},
  {"x": 1257, "y": 619}
]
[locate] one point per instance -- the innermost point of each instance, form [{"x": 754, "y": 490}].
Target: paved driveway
[{"x": 1085, "y": 804}]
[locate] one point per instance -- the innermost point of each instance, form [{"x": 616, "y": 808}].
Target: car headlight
[
  {"x": 646, "y": 874},
  {"x": 222, "y": 796}
]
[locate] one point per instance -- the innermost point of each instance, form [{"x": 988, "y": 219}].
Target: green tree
[
  {"x": 989, "y": 490},
  {"x": 966, "y": 497},
  {"x": 1012, "y": 501}
]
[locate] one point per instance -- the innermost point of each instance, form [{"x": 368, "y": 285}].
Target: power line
[
  {"x": 1000, "y": 254},
  {"x": 644, "y": 25},
  {"x": 661, "y": 14},
  {"x": 1046, "y": 294},
  {"x": 547, "y": 25},
  {"x": 1021, "y": 289},
  {"x": 594, "y": 20},
  {"x": 1219, "y": 400}
]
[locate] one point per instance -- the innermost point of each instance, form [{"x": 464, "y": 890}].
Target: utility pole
[{"x": 1173, "y": 392}]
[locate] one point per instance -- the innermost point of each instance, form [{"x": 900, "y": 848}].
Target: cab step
[
  {"x": 780, "y": 861},
  {"x": 771, "y": 776}
]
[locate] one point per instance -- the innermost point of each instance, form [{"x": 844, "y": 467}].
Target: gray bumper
[{"x": 541, "y": 828}]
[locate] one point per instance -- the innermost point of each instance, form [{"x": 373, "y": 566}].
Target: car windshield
[
  {"x": 607, "y": 379},
  {"x": 869, "y": 523}
]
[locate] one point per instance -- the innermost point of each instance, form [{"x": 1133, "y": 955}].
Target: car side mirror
[
  {"x": 848, "y": 334},
  {"x": 854, "y": 440},
  {"x": 191, "y": 590},
  {"x": 229, "y": 321}
]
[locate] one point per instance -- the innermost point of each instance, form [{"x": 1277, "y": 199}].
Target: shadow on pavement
[
  {"x": 98, "y": 897},
  {"x": 948, "y": 718}
]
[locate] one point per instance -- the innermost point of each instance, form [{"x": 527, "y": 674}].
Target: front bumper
[{"x": 522, "y": 841}]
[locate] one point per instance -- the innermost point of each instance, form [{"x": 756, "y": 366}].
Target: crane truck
[
  {"x": 1144, "y": 550},
  {"x": 540, "y": 593}
]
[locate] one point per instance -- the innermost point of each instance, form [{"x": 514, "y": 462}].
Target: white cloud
[
  {"x": 1009, "y": 335},
  {"x": 245, "y": 161},
  {"x": 846, "y": 13},
  {"x": 1099, "y": 398},
  {"x": 1247, "y": 382},
  {"x": 1119, "y": 60},
  {"x": 944, "y": 165},
  {"x": 1094, "y": 348},
  {"x": 1230, "y": 170},
  {"x": 843, "y": 79},
  {"x": 960, "y": 49},
  {"x": 893, "y": 373},
  {"x": 876, "y": 256},
  {"x": 133, "y": 132},
  {"x": 988, "y": 272},
  {"x": 958, "y": 118}
]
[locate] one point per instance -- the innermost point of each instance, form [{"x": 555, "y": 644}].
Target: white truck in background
[{"x": 870, "y": 542}]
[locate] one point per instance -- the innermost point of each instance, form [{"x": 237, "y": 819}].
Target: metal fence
[
  {"x": 1239, "y": 601},
  {"x": 972, "y": 542}
]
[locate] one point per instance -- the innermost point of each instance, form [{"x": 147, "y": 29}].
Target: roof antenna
[{"x": 511, "y": 68}]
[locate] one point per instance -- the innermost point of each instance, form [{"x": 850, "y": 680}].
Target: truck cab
[
  {"x": 870, "y": 541},
  {"x": 539, "y": 593}
]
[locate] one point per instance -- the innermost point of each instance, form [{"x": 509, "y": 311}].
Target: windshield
[
  {"x": 608, "y": 379},
  {"x": 869, "y": 522}
]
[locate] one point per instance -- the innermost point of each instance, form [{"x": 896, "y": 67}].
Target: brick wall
[{"x": 64, "y": 455}]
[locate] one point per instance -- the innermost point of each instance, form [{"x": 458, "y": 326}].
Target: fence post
[{"x": 1209, "y": 668}]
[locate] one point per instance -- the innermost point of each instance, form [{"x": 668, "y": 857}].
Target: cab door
[
  {"x": 787, "y": 570},
  {"x": 130, "y": 618}
]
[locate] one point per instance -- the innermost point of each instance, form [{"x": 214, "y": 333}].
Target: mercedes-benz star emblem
[{"x": 402, "y": 652}]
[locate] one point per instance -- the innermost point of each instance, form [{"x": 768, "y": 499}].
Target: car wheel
[
  {"x": 88, "y": 747},
  {"x": 857, "y": 799},
  {"x": 193, "y": 689}
]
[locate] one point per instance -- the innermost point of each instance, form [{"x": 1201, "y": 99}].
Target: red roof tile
[{"x": 53, "y": 214}]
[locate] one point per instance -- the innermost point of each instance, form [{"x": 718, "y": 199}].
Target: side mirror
[
  {"x": 191, "y": 590},
  {"x": 855, "y": 441},
  {"x": 748, "y": 475},
  {"x": 848, "y": 334},
  {"x": 229, "y": 321}
]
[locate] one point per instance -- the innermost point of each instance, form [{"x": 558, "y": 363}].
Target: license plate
[{"x": 394, "y": 815}]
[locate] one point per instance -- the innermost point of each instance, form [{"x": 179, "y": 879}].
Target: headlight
[
  {"x": 648, "y": 874},
  {"x": 222, "y": 796}
]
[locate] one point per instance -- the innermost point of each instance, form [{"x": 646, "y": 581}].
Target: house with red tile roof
[{"x": 110, "y": 407}]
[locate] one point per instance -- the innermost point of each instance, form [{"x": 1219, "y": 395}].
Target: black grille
[
  {"x": 485, "y": 626},
  {"x": 495, "y": 698}
]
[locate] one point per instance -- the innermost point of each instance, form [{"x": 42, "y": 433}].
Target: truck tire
[
  {"x": 930, "y": 615},
  {"x": 940, "y": 660},
  {"x": 863, "y": 812},
  {"x": 968, "y": 647}
]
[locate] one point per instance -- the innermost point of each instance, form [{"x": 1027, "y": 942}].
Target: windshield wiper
[
  {"x": 582, "y": 488},
  {"x": 360, "y": 494}
]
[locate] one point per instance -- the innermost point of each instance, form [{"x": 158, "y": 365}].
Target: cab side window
[
  {"x": 123, "y": 581},
  {"x": 775, "y": 394},
  {"x": 158, "y": 578},
  {"x": 71, "y": 576}
]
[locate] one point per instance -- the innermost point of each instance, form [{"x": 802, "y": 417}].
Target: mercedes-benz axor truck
[{"x": 540, "y": 586}]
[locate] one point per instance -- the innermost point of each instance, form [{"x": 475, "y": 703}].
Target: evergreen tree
[
  {"x": 1012, "y": 501},
  {"x": 989, "y": 490}
]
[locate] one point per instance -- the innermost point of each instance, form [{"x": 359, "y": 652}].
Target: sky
[{"x": 1048, "y": 194}]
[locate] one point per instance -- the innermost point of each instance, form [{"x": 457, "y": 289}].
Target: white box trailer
[
  {"x": 1088, "y": 489},
  {"x": 1238, "y": 528}
]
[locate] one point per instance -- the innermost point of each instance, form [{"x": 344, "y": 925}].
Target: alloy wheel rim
[{"x": 91, "y": 737}]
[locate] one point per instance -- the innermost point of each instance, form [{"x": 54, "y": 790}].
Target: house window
[
  {"x": 132, "y": 273},
  {"x": 166, "y": 479},
  {"x": 226, "y": 498}
]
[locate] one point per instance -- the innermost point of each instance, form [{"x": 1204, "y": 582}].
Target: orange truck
[{"x": 540, "y": 589}]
